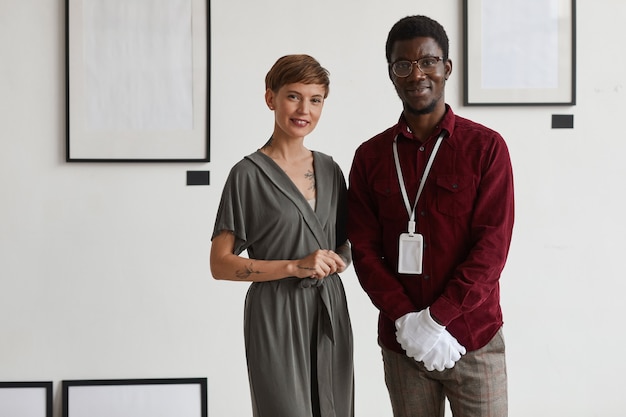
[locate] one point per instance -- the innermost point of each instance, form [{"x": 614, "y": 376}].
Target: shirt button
[
  {"x": 422, "y": 213},
  {"x": 455, "y": 186},
  {"x": 426, "y": 277},
  {"x": 421, "y": 149}
]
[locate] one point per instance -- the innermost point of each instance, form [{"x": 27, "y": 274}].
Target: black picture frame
[
  {"x": 32, "y": 398},
  {"x": 501, "y": 69},
  {"x": 127, "y": 99},
  {"x": 186, "y": 397}
]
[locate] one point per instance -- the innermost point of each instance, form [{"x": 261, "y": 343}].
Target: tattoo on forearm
[
  {"x": 306, "y": 268},
  {"x": 245, "y": 274},
  {"x": 310, "y": 175}
]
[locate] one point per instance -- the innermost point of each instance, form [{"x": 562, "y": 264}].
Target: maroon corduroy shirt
[{"x": 465, "y": 214}]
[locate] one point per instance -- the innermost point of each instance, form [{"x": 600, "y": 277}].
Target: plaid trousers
[{"x": 475, "y": 387}]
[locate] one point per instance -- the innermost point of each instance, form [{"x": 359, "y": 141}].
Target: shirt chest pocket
[
  {"x": 389, "y": 200},
  {"x": 455, "y": 194}
]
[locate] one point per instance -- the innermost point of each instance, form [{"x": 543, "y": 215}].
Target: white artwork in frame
[
  {"x": 137, "y": 80},
  {"x": 520, "y": 52},
  {"x": 185, "y": 397},
  {"x": 26, "y": 399}
]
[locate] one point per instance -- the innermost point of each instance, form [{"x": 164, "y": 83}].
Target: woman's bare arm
[{"x": 227, "y": 266}]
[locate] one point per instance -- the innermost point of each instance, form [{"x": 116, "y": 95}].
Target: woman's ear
[{"x": 269, "y": 98}]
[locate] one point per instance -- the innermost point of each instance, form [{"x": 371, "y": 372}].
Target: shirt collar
[{"x": 447, "y": 124}]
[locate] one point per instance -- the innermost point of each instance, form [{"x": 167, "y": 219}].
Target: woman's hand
[{"x": 319, "y": 264}]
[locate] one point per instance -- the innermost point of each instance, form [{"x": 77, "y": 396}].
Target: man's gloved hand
[
  {"x": 444, "y": 355},
  {"x": 426, "y": 341},
  {"x": 418, "y": 333}
]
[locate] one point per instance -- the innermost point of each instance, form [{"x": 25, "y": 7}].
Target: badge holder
[
  {"x": 411, "y": 244},
  {"x": 410, "y": 251}
]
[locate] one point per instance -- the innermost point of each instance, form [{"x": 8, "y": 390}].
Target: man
[{"x": 431, "y": 217}]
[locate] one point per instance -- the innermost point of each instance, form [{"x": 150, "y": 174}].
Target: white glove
[
  {"x": 418, "y": 333},
  {"x": 444, "y": 355}
]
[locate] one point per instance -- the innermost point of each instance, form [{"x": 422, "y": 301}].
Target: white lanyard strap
[{"x": 405, "y": 197}]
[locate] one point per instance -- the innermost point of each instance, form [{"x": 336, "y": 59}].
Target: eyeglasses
[{"x": 427, "y": 65}]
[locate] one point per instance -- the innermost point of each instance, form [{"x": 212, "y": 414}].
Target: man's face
[{"x": 420, "y": 93}]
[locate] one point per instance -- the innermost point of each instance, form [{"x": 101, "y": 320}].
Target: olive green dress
[{"x": 297, "y": 331}]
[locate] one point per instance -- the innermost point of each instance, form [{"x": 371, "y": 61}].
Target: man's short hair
[{"x": 411, "y": 27}]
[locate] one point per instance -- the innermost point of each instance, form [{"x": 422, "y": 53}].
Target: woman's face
[{"x": 297, "y": 108}]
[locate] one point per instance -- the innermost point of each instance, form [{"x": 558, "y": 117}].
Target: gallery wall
[{"x": 104, "y": 266}]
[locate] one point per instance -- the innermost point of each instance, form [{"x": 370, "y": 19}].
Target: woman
[{"x": 286, "y": 206}]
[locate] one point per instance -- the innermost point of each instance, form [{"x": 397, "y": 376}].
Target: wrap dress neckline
[{"x": 281, "y": 180}]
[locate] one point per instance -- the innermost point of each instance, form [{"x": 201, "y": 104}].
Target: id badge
[{"x": 410, "y": 253}]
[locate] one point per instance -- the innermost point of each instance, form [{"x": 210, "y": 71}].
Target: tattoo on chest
[
  {"x": 245, "y": 274},
  {"x": 310, "y": 175}
]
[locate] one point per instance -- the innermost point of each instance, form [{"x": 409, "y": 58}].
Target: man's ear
[{"x": 448, "y": 68}]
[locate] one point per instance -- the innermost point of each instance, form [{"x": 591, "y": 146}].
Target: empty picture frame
[
  {"x": 26, "y": 399},
  {"x": 519, "y": 52},
  {"x": 137, "y": 80},
  {"x": 182, "y": 397}
]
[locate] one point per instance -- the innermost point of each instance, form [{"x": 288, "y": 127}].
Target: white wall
[{"x": 103, "y": 267}]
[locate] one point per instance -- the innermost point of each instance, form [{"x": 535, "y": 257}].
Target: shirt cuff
[{"x": 444, "y": 311}]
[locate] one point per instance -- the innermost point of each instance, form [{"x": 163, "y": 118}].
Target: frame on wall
[
  {"x": 26, "y": 399},
  {"x": 138, "y": 82},
  {"x": 519, "y": 52},
  {"x": 180, "y": 397}
]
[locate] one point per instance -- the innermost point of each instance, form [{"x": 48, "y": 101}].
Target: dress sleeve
[
  {"x": 342, "y": 209},
  {"x": 231, "y": 211}
]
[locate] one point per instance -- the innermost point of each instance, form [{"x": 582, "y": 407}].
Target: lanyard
[{"x": 405, "y": 197}]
